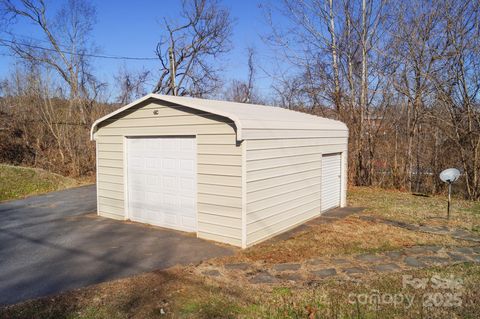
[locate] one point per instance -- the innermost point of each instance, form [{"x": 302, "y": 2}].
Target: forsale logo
[
  {"x": 447, "y": 293},
  {"x": 377, "y": 298},
  {"x": 450, "y": 294},
  {"x": 435, "y": 282}
]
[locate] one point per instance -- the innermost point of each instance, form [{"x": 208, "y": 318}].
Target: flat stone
[
  {"x": 476, "y": 259},
  {"x": 386, "y": 267},
  {"x": 324, "y": 273},
  {"x": 428, "y": 229},
  {"x": 423, "y": 249},
  {"x": 435, "y": 260},
  {"x": 340, "y": 213},
  {"x": 437, "y": 230},
  {"x": 416, "y": 250},
  {"x": 263, "y": 278},
  {"x": 211, "y": 273},
  {"x": 394, "y": 254},
  {"x": 286, "y": 267},
  {"x": 315, "y": 262},
  {"x": 413, "y": 262},
  {"x": 458, "y": 257},
  {"x": 339, "y": 261},
  {"x": 393, "y": 223},
  {"x": 464, "y": 250},
  {"x": 470, "y": 238},
  {"x": 370, "y": 258},
  {"x": 410, "y": 227},
  {"x": 354, "y": 270},
  {"x": 237, "y": 266},
  {"x": 460, "y": 233},
  {"x": 292, "y": 276},
  {"x": 401, "y": 225},
  {"x": 368, "y": 218},
  {"x": 476, "y": 249}
]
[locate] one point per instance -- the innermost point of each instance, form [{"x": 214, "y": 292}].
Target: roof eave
[{"x": 232, "y": 117}]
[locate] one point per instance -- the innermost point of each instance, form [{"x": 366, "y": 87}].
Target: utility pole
[{"x": 171, "y": 58}]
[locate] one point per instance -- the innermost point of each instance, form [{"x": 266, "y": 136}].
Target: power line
[
  {"x": 14, "y": 35},
  {"x": 99, "y": 56}
]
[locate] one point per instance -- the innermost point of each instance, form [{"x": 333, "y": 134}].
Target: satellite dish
[{"x": 450, "y": 175}]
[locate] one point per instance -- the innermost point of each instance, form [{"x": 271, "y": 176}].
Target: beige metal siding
[
  {"x": 283, "y": 178},
  {"x": 219, "y": 163}
]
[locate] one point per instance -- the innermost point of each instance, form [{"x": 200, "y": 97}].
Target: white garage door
[
  {"x": 161, "y": 179},
  {"x": 331, "y": 181}
]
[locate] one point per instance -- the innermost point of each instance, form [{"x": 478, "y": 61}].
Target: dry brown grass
[
  {"x": 354, "y": 235},
  {"x": 405, "y": 207},
  {"x": 178, "y": 293},
  {"x": 170, "y": 294},
  {"x": 347, "y": 236},
  {"x": 331, "y": 298}
]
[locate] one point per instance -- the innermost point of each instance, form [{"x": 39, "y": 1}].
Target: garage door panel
[
  {"x": 162, "y": 181},
  {"x": 187, "y": 202},
  {"x": 187, "y": 183},
  {"x": 187, "y": 165},
  {"x": 331, "y": 181},
  {"x": 189, "y": 222}
]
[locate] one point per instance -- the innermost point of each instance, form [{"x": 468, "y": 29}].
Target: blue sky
[{"x": 132, "y": 28}]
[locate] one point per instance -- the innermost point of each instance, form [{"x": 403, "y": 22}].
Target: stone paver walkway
[
  {"x": 456, "y": 233},
  {"x": 349, "y": 267}
]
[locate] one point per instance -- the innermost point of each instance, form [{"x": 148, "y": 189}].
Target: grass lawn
[
  {"x": 182, "y": 292},
  {"x": 354, "y": 235},
  {"x": 18, "y": 182},
  {"x": 403, "y": 206},
  {"x": 349, "y": 236}
]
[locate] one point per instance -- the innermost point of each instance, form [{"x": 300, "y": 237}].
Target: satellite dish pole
[
  {"x": 450, "y": 176},
  {"x": 449, "y": 196}
]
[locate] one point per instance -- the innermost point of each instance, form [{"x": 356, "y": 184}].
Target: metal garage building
[{"x": 233, "y": 173}]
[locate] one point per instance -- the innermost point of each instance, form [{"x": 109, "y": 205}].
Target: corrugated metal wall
[
  {"x": 283, "y": 178},
  {"x": 219, "y": 161}
]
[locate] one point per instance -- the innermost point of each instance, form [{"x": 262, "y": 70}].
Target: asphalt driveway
[{"x": 55, "y": 242}]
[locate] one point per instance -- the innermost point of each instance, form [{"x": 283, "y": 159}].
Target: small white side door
[{"x": 331, "y": 181}]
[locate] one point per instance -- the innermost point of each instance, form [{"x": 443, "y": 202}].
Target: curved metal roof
[{"x": 245, "y": 116}]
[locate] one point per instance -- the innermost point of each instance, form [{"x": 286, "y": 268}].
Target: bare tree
[
  {"x": 41, "y": 130},
  {"x": 245, "y": 91},
  {"x": 457, "y": 89},
  {"x": 131, "y": 85},
  {"x": 289, "y": 92},
  {"x": 66, "y": 43},
  {"x": 57, "y": 96},
  {"x": 190, "y": 49},
  {"x": 334, "y": 46},
  {"x": 416, "y": 45}
]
